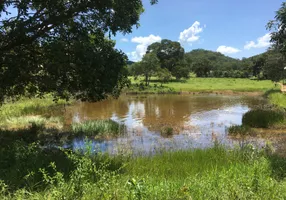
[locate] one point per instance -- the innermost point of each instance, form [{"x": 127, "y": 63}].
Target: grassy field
[{"x": 205, "y": 85}]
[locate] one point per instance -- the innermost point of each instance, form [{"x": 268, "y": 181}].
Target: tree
[
  {"x": 278, "y": 37},
  {"x": 258, "y": 63},
  {"x": 181, "y": 70},
  {"x": 274, "y": 66},
  {"x": 147, "y": 67},
  {"x": 60, "y": 46},
  {"x": 164, "y": 75},
  {"x": 201, "y": 68},
  {"x": 169, "y": 53}
]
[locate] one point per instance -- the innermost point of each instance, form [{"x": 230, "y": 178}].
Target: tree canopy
[
  {"x": 170, "y": 54},
  {"x": 60, "y": 46},
  {"x": 278, "y": 37}
]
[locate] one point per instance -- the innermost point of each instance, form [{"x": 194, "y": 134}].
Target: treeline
[{"x": 170, "y": 60}]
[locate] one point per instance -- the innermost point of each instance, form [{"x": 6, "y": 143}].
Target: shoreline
[{"x": 217, "y": 92}]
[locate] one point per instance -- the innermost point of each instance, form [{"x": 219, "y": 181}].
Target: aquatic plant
[
  {"x": 102, "y": 128},
  {"x": 239, "y": 130},
  {"x": 167, "y": 131}
]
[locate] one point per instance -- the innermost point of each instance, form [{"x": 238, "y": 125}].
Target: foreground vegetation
[
  {"x": 215, "y": 173},
  {"x": 202, "y": 85}
]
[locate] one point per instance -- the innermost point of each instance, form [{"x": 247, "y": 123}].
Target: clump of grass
[
  {"x": 263, "y": 118},
  {"x": 167, "y": 131},
  {"x": 239, "y": 130},
  {"x": 98, "y": 128}
]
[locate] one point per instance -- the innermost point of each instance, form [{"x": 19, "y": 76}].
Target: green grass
[
  {"x": 33, "y": 106},
  {"x": 208, "y": 85},
  {"x": 98, "y": 128},
  {"x": 215, "y": 173},
  {"x": 25, "y": 122},
  {"x": 277, "y": 98}
]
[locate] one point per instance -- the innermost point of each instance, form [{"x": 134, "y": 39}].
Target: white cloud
[
  {"x": 190, "y": 35},
  {"x": 262, "y": 42},
  {"x": 141, "y": 48},
  {"x": 124, "y": 40},
  {"x": 227, "y": 50}
]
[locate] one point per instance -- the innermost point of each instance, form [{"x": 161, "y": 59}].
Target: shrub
[{"x": 262, "y": 118}]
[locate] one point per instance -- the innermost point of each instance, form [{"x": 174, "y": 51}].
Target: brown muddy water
[{"x": 197, "y": 121}]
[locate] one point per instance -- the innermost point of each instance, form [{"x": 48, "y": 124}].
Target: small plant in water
[
  {"x": 239, "y": 130},
  {"x": 167, "y": 131},
  {"x": 103, "y": 128}
]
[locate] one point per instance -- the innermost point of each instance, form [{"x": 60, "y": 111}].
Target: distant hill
[
  {"x": 129, "y": 62},
  {"x": 217, "y": 60}
]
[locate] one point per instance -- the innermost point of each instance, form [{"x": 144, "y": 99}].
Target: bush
[{"x": 262, "y": 118}]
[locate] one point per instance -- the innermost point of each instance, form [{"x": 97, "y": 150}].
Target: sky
[{"x": 236, "y": 28}]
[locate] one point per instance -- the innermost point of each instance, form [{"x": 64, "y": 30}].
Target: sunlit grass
[
  {"x": 210, "y": 84},
  {"x": 278, "y": 98},
  {"x": 33, "y": 106},
  {"x": 24, "y": 122}
]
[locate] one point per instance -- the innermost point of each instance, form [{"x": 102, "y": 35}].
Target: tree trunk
[{"x": 146, "y": 79}]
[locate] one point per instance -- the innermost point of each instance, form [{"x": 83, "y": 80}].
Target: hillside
[{"x": 217, "y": 60}]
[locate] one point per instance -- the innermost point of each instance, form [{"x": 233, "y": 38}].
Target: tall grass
[
  {"x": 24, "y": 122},
  {"x": 31, "y": 172},
  {"x": 98, "y": 128}
]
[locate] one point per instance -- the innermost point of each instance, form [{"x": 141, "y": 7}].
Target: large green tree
[
  {"x": 60, "y": 46},
  {"x": 171, "y": 55}
]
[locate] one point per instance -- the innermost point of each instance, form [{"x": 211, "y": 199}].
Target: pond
[{"x": 198, "y": 121}]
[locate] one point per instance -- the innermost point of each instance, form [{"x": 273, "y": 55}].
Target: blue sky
[{"x": 236, "y": 28}]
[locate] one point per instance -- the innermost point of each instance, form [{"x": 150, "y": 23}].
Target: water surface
[{"x": 198, "y": 121}]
